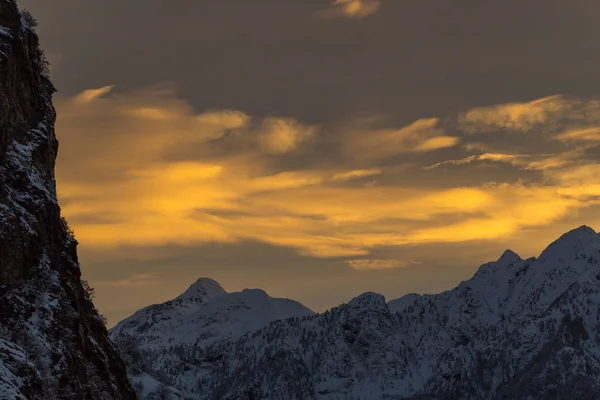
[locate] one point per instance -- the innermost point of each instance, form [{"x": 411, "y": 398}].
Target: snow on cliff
[{"x": 53, "y": 343}]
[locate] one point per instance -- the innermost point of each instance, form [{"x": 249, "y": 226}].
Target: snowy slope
[
  {"x": 518, "y": 329},
  {"x": 204, "y": 314},
  {"x": 159, "y": 317},
  {"x": 16, "y": 372}
]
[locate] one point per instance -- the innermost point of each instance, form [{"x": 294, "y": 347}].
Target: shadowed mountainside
[
  {"x": 518, "y": 329},
  {"x": 53, "y": 343}
]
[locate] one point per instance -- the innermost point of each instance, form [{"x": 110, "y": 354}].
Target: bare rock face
[{"x": 53, "y": 343}]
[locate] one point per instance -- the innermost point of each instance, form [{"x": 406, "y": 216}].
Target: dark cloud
[
  {"x": 293, "y": 164},
  {"x": 412, "y": 59}
]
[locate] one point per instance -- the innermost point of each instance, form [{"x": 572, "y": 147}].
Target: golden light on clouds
[
  {"x": 515, "y": 159},
  {"x": 92, "y": 94},
  {"x": 359, "y": 173},
  {"x": 143, "y": 168},
  {"x": 280, "y": 136},
  {"x": 375, "y": 265},
  {"x": 352, "y": 8},
  {"x": 516, "y": 116},
  {"x": 136, "y": 280},
  {"x": 369, "y": 143},
  {"x": 591, "y": 134}
]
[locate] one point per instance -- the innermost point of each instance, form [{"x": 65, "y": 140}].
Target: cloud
[
  {"x": 374, "y": 265},
  {"x": 356, "y": 174},
  {"x": 514, "y": 116},
  {"x": 280, "y": 136},
  {"x": 371, "y": 143},
  {"x": 437, "y": 143},
  {"x": 547, "y": 163},
  {"x": 587, "y": 134},
  {"x": 133, "y": 281},
  {"x": 514, "y": 159},
  {"x": 524, "y": 161},
  {"x": 143, "y": 168},
  {"x": 90, "y": 95},
  {"x": 546, "y": 115},
  {"x": 521, "y": 207},
  {"x": 352, "y": 9}
]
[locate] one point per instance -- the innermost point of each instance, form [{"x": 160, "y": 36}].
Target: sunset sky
[{"x": 319, "y": 149}]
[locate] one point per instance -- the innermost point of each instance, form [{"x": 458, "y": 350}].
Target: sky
[{"x": 319, "y": 149}]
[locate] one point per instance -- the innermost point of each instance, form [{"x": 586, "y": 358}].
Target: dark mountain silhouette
[{"x": 53, "y": 343}]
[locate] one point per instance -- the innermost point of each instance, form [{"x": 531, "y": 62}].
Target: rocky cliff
[{"x": 53, "y": 344}]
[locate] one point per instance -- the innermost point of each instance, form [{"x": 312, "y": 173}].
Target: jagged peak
[
  {"x": 573, "y": 242},
  {"x": 205, "y": 288},
  {"x": 583, "y": 233},
  {"x": 508, "y": 257},
  {"x": 367, "y": 312},
  {"x": 368, "y": 300}
]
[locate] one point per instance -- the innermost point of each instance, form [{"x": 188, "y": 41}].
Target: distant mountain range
[{"x": 518, "y": 329}]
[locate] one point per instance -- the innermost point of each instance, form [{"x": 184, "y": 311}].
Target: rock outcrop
[{"x": 53, "y": 343}]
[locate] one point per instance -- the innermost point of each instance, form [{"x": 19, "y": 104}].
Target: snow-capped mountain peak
[
  {"x": 573, "y": 244},
  {"x": 195, "y": 297},
  {"x": 366, "y": 302},
  {"x": 518, "y": 329},
  {"x": 367, "y": 312},
  {"x": 570, "y": 265},
  {"x": 508, "y": 257},
  {"x": 204, "y": 289},
  {"x": 502, "y": 269},
  {"x": 204, "y": 315}
]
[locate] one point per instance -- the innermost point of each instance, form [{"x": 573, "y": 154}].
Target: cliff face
[{"x": 53, "y": 344}]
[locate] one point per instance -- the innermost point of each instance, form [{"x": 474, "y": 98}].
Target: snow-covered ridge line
[{"x": 518, "y": 329}]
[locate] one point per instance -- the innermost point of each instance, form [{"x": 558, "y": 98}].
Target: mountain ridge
[
  {"x": 205, "y": 288},
  {"x": 518, "y": 328}
]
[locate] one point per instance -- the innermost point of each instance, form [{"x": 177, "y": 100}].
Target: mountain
[
  {"x": 157, "y": 338},
  {"x": 53, "y": 343},
  {"x": 518, "y": 329}
]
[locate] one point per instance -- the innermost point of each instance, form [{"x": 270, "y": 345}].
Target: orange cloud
[
  {"x": 421, "y": 136},
  {"x": 143, "y": 168},
  {"x": 554, "y": 161},
  {"x": 374, "y": 265},
  {"x": 546, "y": 117},
  {"x": 280, "y": 136},
  {"x": 515, "y": 116},
  {"x": 92, "y": 94},
  {"x": 515, "y": 159},
  {"x": 352, "y": 8},
  {"x": 356, "y": 174},
  {"x": 133, "y": 281},
  {"x": 590, "y": 134}
]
